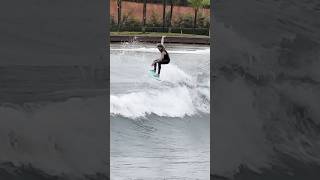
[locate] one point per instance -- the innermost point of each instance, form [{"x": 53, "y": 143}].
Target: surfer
[{"x": 164, "y": 59}]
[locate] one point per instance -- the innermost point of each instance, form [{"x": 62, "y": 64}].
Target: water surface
[{"x": 159, "y": 129}]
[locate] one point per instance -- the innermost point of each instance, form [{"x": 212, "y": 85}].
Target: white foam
[
  {"x": 152, "y": 50},
  {"x": 176, "y": 95},
  {"x": 174, "y": 102},
  {"x": 174, "y": 74}
]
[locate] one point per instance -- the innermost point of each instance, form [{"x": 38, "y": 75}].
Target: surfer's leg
[
  {"x": 155, "y": 67},
  {"x": 159, "y": 68}
]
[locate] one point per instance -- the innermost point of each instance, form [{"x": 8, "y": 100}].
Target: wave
[
  {"x": 175, "y": 102},
  {"x": 177, "y": 95},
  {"x": 152, "y": 50},
  {"x": 43, "y": 136},
  {"x": 174, "y": 74}
]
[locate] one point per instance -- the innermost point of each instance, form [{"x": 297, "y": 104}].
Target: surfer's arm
[
  {"x": 158, "y": 60},
  {"x": 161, "y": 58}
]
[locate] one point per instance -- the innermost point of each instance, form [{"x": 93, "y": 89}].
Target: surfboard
[{"x": 153, "y": 75}]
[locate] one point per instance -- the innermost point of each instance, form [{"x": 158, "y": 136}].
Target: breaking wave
[{"x": 176, "y": 95}]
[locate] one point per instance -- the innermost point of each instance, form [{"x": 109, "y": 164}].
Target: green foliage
[
  {"x": 206, "y": 2},
  {"x": 112, "y": 21},
  {"x": 182, "y": 24},
  {"x": 178, "y": 2},
  {"x": 167, "y": 18},
  {"x": 203, "y": 21},
  {"x": 196, "y": 4},
  {"x": 185, "y": 21},
  {"x": 154, "y": 20},
  {"x": 129, "y": 20}
]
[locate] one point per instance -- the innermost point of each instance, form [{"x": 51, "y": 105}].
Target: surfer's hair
[{"x": 160, "y": 45}]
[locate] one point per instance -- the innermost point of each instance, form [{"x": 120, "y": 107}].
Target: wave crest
[{"x": 177, "y": 95}]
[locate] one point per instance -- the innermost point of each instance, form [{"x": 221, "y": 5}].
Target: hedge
[{"x": 198, "y": 31}]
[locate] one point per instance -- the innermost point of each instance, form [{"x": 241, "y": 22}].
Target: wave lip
[{"x": 175, "y": 102}]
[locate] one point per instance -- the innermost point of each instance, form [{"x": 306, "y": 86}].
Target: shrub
[
  {"x": 203, "y": 21},
  {"x": 185, "y": 21},
  {"x": 168, "y": 18},
  {"x": 112, "y": 21},
  {"x": 154, "y": 20},
  {"x": 129, "y": 20}
]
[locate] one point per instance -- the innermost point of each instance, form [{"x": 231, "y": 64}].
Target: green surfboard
[{"x": 153, "y": 75}]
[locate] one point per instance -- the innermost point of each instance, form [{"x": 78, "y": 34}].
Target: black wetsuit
[{"x": 165, "y": 60}]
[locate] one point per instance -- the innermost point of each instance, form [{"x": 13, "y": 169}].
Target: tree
[
  {"x": 171, "y": 11},
  {"x": 119, "y": 2},
  {"x": 144, "y": 15},
  {"x": 164, "y": 14},
  {"x": 197, "y": 4}
]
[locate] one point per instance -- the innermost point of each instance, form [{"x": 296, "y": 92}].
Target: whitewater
[{"x": 159, "y": 129}]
